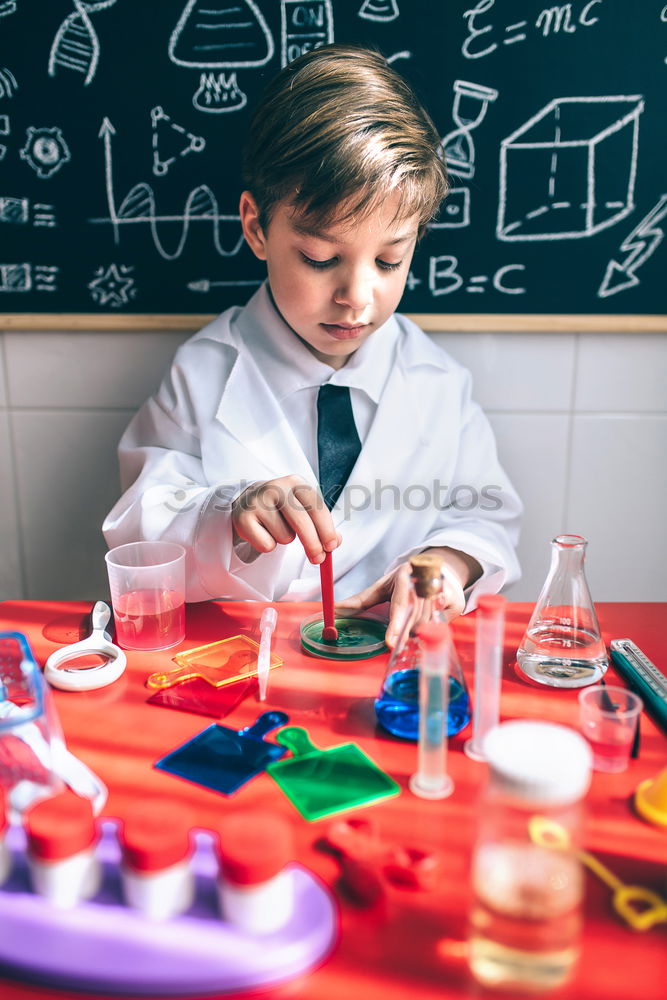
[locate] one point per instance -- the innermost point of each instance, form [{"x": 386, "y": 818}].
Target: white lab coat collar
[{"x": 272, "y": 342}]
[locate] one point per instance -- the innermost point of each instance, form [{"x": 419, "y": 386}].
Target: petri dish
[{"x": 359, "y": 637}]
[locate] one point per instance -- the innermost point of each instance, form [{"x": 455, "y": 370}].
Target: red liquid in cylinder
[{"x": 150, "y": 619}]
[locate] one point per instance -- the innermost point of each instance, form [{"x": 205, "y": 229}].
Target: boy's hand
[
  {"x": 278, "y": 511},
  {"x": 395, "y": 587}
]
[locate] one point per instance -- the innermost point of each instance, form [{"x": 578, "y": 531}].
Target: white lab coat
[{"x": 215, "y": 426}]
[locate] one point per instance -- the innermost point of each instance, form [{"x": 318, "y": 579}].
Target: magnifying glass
[{"x": 62, "y": 671}]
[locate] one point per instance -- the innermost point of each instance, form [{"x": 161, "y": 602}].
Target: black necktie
[{"x": 338, "y": 443}]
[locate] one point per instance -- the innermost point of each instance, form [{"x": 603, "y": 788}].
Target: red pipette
[{"x": 329, "y": 631}]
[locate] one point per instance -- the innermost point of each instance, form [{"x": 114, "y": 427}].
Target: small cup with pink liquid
[
  {"x": 609, "y": 717},
  {"x": 147, "y": 584}
]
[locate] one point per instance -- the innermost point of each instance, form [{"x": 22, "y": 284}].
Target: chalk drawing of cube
[{"x": 570, "y": 170}]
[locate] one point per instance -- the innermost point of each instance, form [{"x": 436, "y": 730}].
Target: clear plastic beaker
[
  {"x": 397, "y": 705},
  {"x": 29, "y": 727},
  {"x": 34, "y": 761},
  {"x": 563, "y": 646},
  {"x": 147, "y": 584},
  {"x": 609, "y": 718}
]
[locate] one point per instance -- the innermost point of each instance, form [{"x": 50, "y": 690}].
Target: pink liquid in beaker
[{"x": 150, "y": 619}]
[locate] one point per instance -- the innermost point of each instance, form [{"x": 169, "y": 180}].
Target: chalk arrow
[
  {"x": 642, "y": 242},
  {"x": 204, "y": 285},
  {"x": 105, "y": 133}
]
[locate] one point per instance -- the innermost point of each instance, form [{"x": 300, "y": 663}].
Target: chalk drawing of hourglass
[
  {"x": 217, "y": 35},
  {"x": 470, "y": 103},
  {"x": 76, "y": 45}
]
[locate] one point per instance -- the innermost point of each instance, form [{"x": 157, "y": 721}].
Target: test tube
[
  {"x": 431, "y": 780},
  {"x": 488, "y": 671},
  {"x": 267, "y": 624}
]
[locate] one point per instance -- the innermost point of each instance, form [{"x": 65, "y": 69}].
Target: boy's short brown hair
[{"x": 338, "y": 127}]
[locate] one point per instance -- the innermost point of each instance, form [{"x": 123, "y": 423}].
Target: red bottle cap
[
  {"x": 433, "y": 633},
  {"x": 491, "y": 602},
  {"x": 155, "y": 835},
  {"x": 254, "y": 846},
  {"x": 60, "y": 827}
]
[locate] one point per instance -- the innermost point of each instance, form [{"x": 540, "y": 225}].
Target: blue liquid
[{"x": 397, "y": 708}]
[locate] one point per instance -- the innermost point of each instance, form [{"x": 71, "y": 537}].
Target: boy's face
[{"x": 333, "y": 286}]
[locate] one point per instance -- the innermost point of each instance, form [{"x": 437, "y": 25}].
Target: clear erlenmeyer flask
[
  {"x": 563, "y": 646},
  {"x": 397, "y": 705}
]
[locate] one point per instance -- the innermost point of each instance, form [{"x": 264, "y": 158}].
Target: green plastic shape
[{"x": 321, "y": 782}]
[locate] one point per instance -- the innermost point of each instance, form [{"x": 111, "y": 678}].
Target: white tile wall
[
  {"x": 3, "y": 393},
  {"x": 617, "y": 499},
  {"x": 533, "y": 448},
  {"x": 11, "y": 582},
  {"x": 67, "y": 480},
  {"x": 521, "y": 371},
  {"x": 622, "y": 373},
  {"x": 580, "y": 419},
  {"x": 86, "y": 369}
]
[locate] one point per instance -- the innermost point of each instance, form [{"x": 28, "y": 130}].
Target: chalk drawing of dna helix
[
  {"x": 138, "y": 206},
  {"x": 76, "y": 45}
]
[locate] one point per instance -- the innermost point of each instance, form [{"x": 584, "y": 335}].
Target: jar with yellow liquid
[{"x": 526, "y": 915}]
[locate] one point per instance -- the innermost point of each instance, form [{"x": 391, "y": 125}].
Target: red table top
[{"x": 413, "y": 945}]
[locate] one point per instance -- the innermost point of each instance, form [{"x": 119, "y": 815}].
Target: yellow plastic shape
[
  {"x": 651, "y": 799},
  {"x": 218, "y": 663},
  {"x": 639, "y": 907}
]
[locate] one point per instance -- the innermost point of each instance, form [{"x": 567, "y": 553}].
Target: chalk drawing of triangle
[{"x": 171, "y": 141}]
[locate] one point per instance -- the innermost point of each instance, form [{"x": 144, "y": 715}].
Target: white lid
[{"x": 539, "y": 761}]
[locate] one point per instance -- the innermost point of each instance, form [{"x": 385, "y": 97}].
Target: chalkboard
[{"x": 121, "y": 124}]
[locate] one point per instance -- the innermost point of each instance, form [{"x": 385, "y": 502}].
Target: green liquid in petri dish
[{"x": 358, "y": 637}]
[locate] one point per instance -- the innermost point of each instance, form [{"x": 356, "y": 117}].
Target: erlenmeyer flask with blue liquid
[{"x": 397, "y": 705}]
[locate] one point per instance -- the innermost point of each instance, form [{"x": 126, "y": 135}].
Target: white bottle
[
  {"x": 255, "y": 889},
  {"x": 156, "y": 850},
  {"x": 526, "y": 919},
  {"x": 61, "y": 838}
]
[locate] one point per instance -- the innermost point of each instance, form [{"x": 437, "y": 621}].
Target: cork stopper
[{"x": 427, "y": 573}]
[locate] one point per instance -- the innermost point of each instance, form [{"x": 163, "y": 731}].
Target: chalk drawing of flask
[{"x": 210, "y": 35}]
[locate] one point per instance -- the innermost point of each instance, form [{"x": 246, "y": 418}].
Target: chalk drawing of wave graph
[{"x": 138, "y": 207}]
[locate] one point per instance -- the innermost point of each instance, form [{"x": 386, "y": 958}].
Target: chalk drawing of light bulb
[{"x": 215, "y": 35}]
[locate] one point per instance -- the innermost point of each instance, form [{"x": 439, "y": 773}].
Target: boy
[{"x": 342, "y": 173}]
